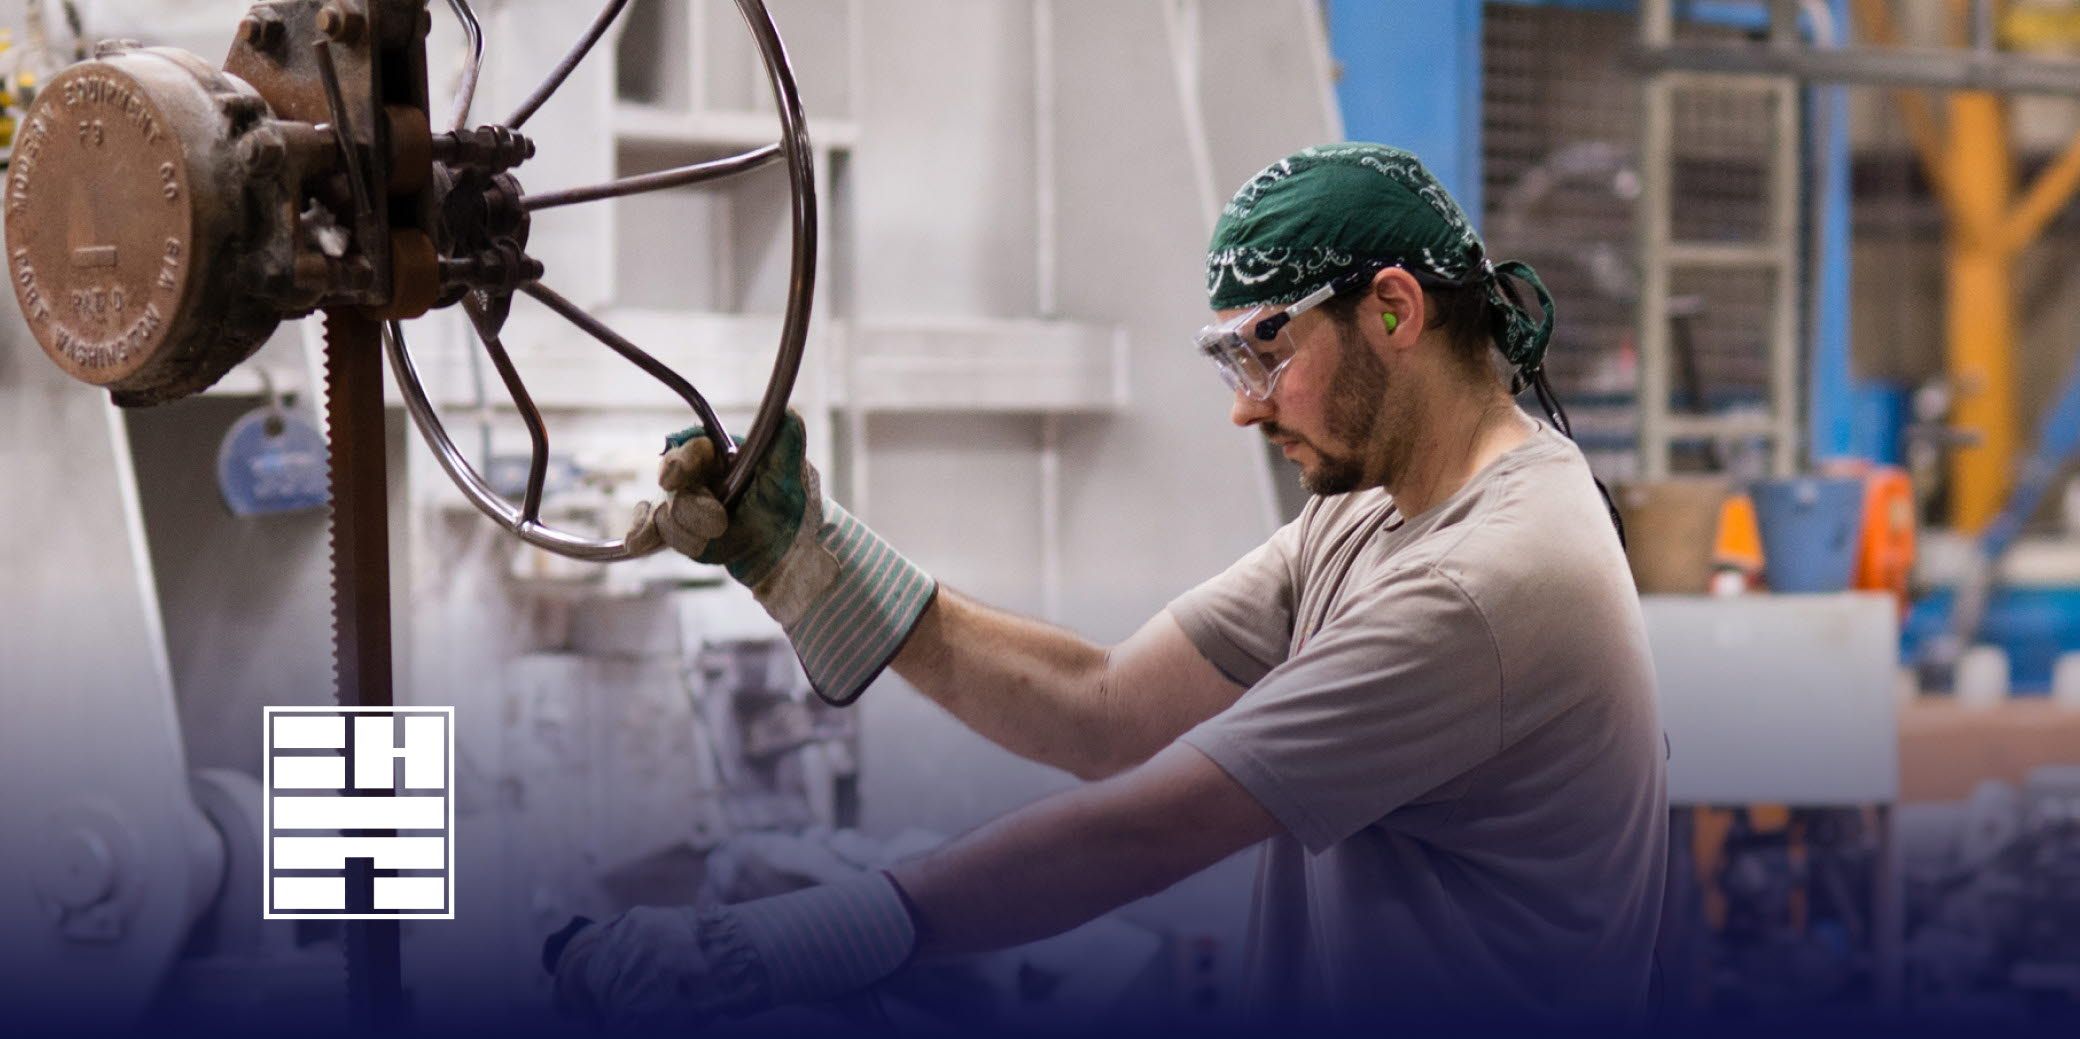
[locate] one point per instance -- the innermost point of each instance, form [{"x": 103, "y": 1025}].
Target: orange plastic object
[
  {"x": 1886, "y": 557},
  {"x": 1739, "y": 544}
]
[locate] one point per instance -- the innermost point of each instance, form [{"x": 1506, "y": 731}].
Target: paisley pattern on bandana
[
  {"x": 1250, "y": 266},
  {"x": 1323, "y": 211}
]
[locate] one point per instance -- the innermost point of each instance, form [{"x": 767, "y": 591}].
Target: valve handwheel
[{"x": 164, "y": 216}]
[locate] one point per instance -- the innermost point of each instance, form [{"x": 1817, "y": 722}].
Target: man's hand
[
  {"x": 679, "y": 965},
  {"x": 644, "y": 965},
  {"x": 846, "y": 599},
  {"x": 784, "y": 497},
  {"x": 769, "y": 543}
]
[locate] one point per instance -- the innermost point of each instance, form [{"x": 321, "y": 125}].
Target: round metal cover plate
[{"x": 101, "y": 224}]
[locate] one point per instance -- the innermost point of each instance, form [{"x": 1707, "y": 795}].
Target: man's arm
[
  {"x": 1037, "y": 872},
  {"x": 1075, "y": 856},
  {"x": 1046, "y": 694}
]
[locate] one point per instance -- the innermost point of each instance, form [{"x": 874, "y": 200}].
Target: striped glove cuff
[
  {"x": 859, "y": 619},
  {"x": 826, "y": 941}
]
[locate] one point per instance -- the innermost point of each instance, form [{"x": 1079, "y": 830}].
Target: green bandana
[{"x": 1328, "y": 210}]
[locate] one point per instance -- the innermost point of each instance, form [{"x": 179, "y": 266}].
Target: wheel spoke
[
  {"x": 537, "y": 430},
  {"x": 568, "y": 65},
  {"x": 724, "y": 448},
  {"x": 466, "y": 94},
  {"x": 662, "y": 180},
  {"x": 466, "y": 478}
]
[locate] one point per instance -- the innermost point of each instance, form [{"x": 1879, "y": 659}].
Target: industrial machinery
[
  {"x": 1992, "y": 915},
  {"x": 164, "y": 215}
]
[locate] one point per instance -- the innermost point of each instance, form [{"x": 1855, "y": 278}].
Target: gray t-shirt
[{"x": 1454, "y": 717}]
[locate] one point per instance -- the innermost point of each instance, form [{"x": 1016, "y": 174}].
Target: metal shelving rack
[{"x": 1778, "y": 253}]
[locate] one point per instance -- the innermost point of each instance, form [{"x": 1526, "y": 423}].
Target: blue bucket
[{"x": 1810, "y": 528}]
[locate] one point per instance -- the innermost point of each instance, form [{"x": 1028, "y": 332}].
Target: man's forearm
[
  {"x": 1032, "y": 688},
  {"x": 1079, "y": 854}
]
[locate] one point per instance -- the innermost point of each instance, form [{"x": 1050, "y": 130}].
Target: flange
[{"x": 126, "y": 203}]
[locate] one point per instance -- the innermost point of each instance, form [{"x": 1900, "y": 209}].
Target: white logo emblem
[{"x": 360, "y": 813}]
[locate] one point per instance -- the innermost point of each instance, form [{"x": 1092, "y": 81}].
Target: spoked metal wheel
[
  {"x": 165, "y": 215},
  {"x": 487, "y": 306}
]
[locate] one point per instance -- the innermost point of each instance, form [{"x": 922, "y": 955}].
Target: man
[{"x": 1429, "y": 699}]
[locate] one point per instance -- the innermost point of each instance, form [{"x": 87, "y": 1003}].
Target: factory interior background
[{"x": 1819, "y": 334}]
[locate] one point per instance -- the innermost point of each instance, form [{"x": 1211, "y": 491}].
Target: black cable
[{"x": 1550, "y": 403}]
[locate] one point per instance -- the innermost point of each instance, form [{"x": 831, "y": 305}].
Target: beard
[{"x": 1358, "y": 416}]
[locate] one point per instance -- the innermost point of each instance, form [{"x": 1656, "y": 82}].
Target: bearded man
[{"x": 1428, "y": 700}]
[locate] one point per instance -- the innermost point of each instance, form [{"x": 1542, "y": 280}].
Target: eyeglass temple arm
[{"x": 1268, "y": 328}]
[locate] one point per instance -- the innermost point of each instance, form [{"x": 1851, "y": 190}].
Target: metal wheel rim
[{"x": 795, "y": 146}]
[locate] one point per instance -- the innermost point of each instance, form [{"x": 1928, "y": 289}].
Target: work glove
[
  {"x": 846, "y": 599},
  {"x": 680, "y": 965}
]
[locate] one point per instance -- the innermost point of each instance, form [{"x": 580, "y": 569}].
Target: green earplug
[{"x": 1388, "y": 319}]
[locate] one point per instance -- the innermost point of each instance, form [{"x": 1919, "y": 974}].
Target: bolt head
[
  {"x": 360, "y": 276},
  {"x": 342, "y": 24},
  {"x": 263, "y": 153},
  {"x": 263, "y": 29}
]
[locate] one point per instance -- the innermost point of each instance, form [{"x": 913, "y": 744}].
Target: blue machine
[{"x": 2034, "y": 625}]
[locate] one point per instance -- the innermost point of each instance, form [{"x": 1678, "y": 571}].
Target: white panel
[
  {"x": 1781, "y": 699},
  {"x": 247, "y": 601},
  {"x": 309, "y": 732},
  {"x": 89, "y": 736},
  {"x": 426, "y": 757},
  {"x": 1251, "y": 118},
  {"x": 292, "y": 894},
  {"x": 327, "y": 773},
  {"x": 526, "y": 38},
  {"x": 386, "y": 852},
  {"x": 360, "y": 813},
  {"x": 944, "y": 171},
  {"x": 394, "y": 893},
  {"x": 424, "y": 753},
  {"x": 981, "y": 365}
]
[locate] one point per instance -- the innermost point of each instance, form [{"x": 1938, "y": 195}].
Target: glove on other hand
[{"x": 681, "y": 965}]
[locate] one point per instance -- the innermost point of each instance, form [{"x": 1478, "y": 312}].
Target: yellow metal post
[
  {"x": 1979, "y": 315},
  {"x": 1986, "y": 230}
]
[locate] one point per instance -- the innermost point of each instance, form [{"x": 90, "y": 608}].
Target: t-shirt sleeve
[
  {"x": 1394, "y": 697},
  {"x": 1241, "y": 620}
]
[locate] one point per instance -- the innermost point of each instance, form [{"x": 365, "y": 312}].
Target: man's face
[{"x": 1331, "y": 412}]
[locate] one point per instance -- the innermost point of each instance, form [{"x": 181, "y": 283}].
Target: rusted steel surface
[{"x": 124, "y": 224}]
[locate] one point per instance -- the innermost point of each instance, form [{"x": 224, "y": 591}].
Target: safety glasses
[{"x": 1251, "y": 349}]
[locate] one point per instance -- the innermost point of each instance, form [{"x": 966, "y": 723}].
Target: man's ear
[{"x": 1398, "y": 305}]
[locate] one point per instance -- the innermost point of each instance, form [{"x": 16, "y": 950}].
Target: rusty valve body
[
  {"x": 128, "y": 224},
  {"x": 164, "y": 216}
]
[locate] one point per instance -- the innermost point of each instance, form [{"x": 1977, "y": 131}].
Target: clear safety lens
[{"x": 1248, "y": 364}]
